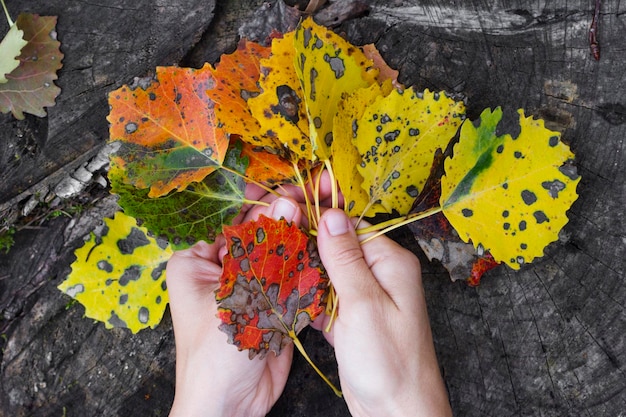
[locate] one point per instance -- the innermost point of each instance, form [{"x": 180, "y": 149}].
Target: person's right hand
[{"x": 382, "y": 337}]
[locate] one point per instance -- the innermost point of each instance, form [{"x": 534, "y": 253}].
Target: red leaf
[{"x": 272, "y": 285}]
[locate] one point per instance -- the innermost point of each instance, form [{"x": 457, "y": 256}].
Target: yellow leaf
[
  {"x": 119, "y": 276},
  {"x": 10, "y": 48},
  {"x": 508, "y": 186},
  {"x": 345, "y": 155},
  {"x": 328, "y": 66},
  {"x": 397, "y": 137},
  {"x": 280, "y": 108}
]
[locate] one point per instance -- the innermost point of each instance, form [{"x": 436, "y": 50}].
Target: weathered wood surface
[{"x": 546, "y": 341}]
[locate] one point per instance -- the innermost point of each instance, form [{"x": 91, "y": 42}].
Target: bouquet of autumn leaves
[{"x": 190, "y": 140}]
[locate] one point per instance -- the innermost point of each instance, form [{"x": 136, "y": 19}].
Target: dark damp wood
[{"x": 548, "y": 340}]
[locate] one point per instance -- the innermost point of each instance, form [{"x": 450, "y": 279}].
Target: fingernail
[
  {"x": 337, "y": 223},
  {"x": 283, "y": 208}
]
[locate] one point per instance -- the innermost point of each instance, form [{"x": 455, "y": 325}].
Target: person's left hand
[{"x": 214, "y": 378}]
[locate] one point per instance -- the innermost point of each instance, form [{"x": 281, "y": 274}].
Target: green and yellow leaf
[
  {"x": 195, "y": 213},
  {"x": 508, "y": 186},
  {"x": 119, "y": 275},
  {"x": 397, "y": 137},
  {"x": 328, "y": 66},
  {"x": 168, "y": 131}
]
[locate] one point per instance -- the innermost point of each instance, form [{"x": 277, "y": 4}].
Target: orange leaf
[
  {"x": 236, "y": 78},
  {"x": 267, "y": 168},
  {"x": 168, "y": 130}
]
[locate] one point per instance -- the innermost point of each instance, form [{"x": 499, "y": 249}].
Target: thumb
[{"x": 343, "y": 258}]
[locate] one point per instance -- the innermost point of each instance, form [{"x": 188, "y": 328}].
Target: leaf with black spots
[
  {"x": 397, "y": 137},
  {"x": 236, "y": 79},
  {"x": 119, "y": 275},
  {"x": 280, "y": 107},
  {"x": 345, "y": 155},
  {"x": 439, "y": 240},
  {"x": 271, "y": 287},
  {"x": 508, "y": 185},
  {"x": 328, "y": 67},
  {"x": 168, "y": 131}
]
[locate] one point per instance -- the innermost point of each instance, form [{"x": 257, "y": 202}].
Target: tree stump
[{"x": 548, "y": 340}]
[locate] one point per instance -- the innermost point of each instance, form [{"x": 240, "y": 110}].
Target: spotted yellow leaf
[
  {"x": 328, "y": 66},
  {"x": 345, "y": 155},
  {"x": 119, "y": 275},
  {"x": 397, "y": 137},
  {"x": 508, "y": 185},
  {"x": 280, "y": 108}
]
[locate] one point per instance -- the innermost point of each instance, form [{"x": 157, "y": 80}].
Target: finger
[{"x": 343, "y": 258}]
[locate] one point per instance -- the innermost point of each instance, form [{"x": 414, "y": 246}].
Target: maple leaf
[
  {"x": 271, "y": 287},
  {"x": 168, "y": 130},
  {"x": 328, "y": 66},
  {"x": 195, "y": 213},
  {"x": 30, "y": 86},
  {"x": 236, "y": 77},
  {"x": 397, "y": 137},
  {"x": 508, "y": 186},
  {"x": 119, "y": 275}
]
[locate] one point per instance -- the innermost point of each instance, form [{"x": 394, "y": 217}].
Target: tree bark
[{"x": 548, "y": 340}]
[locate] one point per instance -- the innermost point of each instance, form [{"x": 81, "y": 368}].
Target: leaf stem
[
  {"x": 6, "y": 12},
  {"x": 309, "y": 209},
  {"x": 248, "y": 180},
  {"x": 392, "y": 224},
  {"x": 296, "y": 342},
  {"x": 333, "y": 183},
  {"x": 258, "y": 203}
]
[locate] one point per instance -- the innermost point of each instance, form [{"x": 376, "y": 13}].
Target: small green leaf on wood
[
  {"x": 119, "y": 275},
  {"x": 508, "y": 186}
]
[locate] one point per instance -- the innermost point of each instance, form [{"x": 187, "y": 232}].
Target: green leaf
[
  {"x": 195, "y": 213},
  {"x": 508, "y": 186},
  {"x": 10, "y": 48},
  {"x": 397, "y": 137},
  {"x": 119, "y": 275}
]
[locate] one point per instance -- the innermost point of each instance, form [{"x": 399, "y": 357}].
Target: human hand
[
  {"x": 382, "y": 337},
  {"x": 212, "y": 377}
]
